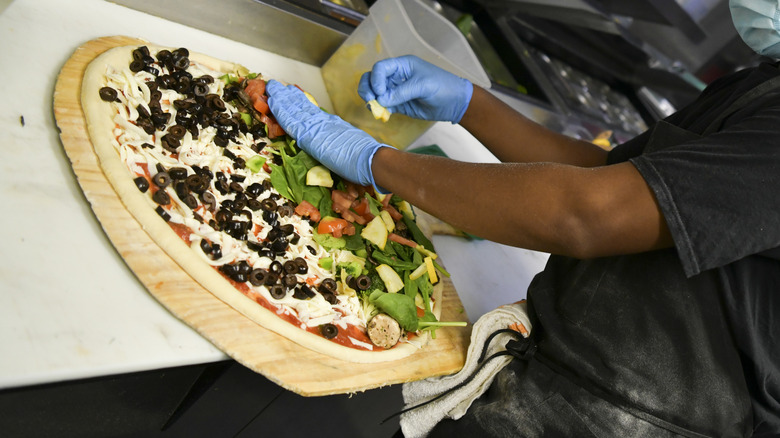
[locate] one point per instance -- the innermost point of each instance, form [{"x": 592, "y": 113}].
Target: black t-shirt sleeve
[{"x": 720, "y": 194}]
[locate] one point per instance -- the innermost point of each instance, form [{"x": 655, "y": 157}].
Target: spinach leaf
[
  {"x": 399, "y": 306},
  {"x": 393, "y": 262},
  {"x": 279, "y": 180},
  {"x": 355, "y": 242},
  {"x": 410, "y": 287},
  {"x": 417, "y": 234}
]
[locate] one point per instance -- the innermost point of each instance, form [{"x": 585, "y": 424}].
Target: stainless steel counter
[{"x": 281, "y": 27}]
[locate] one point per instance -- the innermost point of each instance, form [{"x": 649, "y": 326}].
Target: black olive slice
[
  {"x": 279, "y": 245},
  {"x": 363, "y": 282},
  {"x": 299, "y": 294},
  {"x": 199, "y": 89},
  {"x": 329, "y": 284},
  {"x": 285, "y": 210},
  {"x": 331, "y": 298},
  {"x": 177, "y": 173},
  {"x": 108, "y": 94},
  {"x": 205, "y": 246},
  {"x": 161, "y": 179},
  {"x": 258, "y": 276},
  {"x": 277, "y": 291},
  {"x": 253, "y": 204},
  {"x": 151, "y": 70},
  {"x": 271, "y": 279},
  {"x": 290, "y": 267},
  {"x": 289, "y": 281},
  {"x": 222, "y": 186},
  {"x": 254, "y": 190},
  {"x": 177, "y": 131},
  {"x": 216, "y": 251},
  {"x": 268, "y": 205},
  {"x": 190, "y": 202},
  {"x": 142, "y": 183},
  {"x": 271, "y": 218},
  {"x": 244, "y": 267},
  {"x": 163, "y": 214},
  {"x": 351, "y": 282},
  {"x": 221, "y": 142},
  {"x": 197, "y": 183},
  {"x": 301, "y": 264},
  {"x": 208, "y": 200},
  {"x": 138, "y": 55},
  {"x": 329, "y": 331},
  {"x": 161, "y": 197},
  {"x": 137, "y": 65},
  {"x": 235, "y": 187},
  {"x": 276, "y": 267},
  {"x": 182, "y": 191},
  {"x": 307, "y": 290}
]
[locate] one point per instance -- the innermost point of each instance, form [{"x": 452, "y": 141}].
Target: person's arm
[
  {"x": 583, "y": 212},
  {"x": 513, "y": 138},
  {"x": 550, "y": 207}
]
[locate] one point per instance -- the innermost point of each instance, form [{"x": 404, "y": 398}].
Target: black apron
[{"x": 627, "y": 346}]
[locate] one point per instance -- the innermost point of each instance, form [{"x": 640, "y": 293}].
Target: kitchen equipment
[{"x": 394, "y": 28}]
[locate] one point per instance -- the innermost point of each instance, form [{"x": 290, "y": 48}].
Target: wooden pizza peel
[{"x": 282, "y": 361}]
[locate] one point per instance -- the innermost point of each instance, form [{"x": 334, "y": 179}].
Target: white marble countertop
[{"x": 69, "y": 306}]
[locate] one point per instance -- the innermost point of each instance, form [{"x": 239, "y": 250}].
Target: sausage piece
[{"x": 383, "y": 331}]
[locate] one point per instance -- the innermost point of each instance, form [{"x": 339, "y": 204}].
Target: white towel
[{"x": 418, "y": 422}]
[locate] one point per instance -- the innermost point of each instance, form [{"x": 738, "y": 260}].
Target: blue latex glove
[
  {"x": 416, "y": 88},
  {"x": 339, "y": 146}
]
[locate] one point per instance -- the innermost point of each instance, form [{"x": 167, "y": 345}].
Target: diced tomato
[
  {"x": 361, "y": 206},
  {"x": 342, "y": 201},
  {"x": 275, "y": 130},
  {"x": 334, "y": 226},
  {"x": 402, "y": 240},
  {"x": 386, "y": 200},
  {"x": 394, "y": 213},
  {"x": 420, "y": 312},
  {"x": 261, "y": 105},
  {"x": 305, "y": 208},
  {"x": 352, "y": 217},
  {"x": 349, "y": 230},
  {"x": 255, "y": 86},
  {"x": 354, "y": 190}
]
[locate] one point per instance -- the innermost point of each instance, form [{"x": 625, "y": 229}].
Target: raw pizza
[{"x": 189, "y": 145}]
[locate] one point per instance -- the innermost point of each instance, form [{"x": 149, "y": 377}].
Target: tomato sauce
[{"x": 341, "y": 338}]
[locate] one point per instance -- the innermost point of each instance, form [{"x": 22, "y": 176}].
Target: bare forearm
[
  {"x": 548, "y": 207},
  {"x": 515, "y": 139}
]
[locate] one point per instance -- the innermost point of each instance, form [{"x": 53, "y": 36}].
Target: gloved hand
[
  {"x": 416, "y": 88},
  {"x": 341, "y": 147}
]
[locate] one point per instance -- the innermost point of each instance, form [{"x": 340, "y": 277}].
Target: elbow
[{"x": 582, "y": 231}]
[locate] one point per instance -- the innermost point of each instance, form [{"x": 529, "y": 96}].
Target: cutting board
[{"x": 284, "y": 362}]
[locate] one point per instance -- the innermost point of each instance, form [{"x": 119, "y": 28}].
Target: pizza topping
[
  {"x": 162, "y": 179},
  {"x": 161, "y": 197},
  {"x": 142, "y": 183},
  {"x": 383, "y": 330},
  {"x": 108, "y": 94},
  {"x": 163, "y": 214},
  {"x": 329, "y": 331},
  {"x": 244, "y": 199}
]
